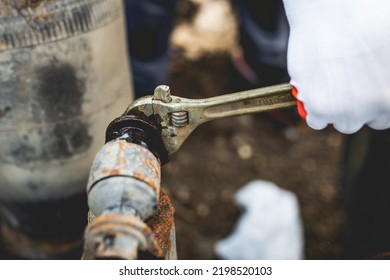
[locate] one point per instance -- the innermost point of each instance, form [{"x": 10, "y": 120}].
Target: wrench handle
[{"x": 248, "y": 102}]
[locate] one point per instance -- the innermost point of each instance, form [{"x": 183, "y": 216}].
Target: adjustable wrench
[{"x": 178, "y": 116}]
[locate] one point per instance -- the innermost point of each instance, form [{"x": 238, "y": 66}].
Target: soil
[{"x": 222, "y": 156}]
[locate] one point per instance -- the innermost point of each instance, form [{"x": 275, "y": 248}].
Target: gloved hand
[{"x": 339, "y": 62}]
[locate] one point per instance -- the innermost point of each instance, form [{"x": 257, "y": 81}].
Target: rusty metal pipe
[
  {"x": 123, "y": 191},
  {"x": 124, "y": 178}
]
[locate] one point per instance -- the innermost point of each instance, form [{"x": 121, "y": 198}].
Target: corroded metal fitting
[
  {"x": 113, "y": 236},
  {"x": 124, "y": 178},
  {"x": 119, "y": 236}
]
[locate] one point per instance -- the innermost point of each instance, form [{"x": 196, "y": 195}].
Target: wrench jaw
[
  {"x": 178, "y": 119},
  {"x": 174, "y": 137},
  {"x": 175, "y": 120}
]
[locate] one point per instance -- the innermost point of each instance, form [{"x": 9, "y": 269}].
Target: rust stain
[
  {"x": 122, "y": 146},
  {"x": 105, "y": 171},
  {"x": 123, "y": 161},
  {"x": 110, "y": 172},
  {"x": 119, "y": 157},
  {"x": 115, "y": 171},
  {"x": 152, "y": 184},
  {"x": 161, "y": 224},
  {"x": 149, "y": 181},
  {"x": 153, "y": 167},
  {"x": 139, "y": 175}
]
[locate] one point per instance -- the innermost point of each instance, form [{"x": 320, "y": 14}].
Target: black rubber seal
[{"x": 139, "y": 130}]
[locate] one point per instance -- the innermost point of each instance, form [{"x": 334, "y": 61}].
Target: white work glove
[{"x": 339, "y": 62}]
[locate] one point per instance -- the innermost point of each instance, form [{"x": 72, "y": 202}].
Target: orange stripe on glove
[{"x": 300, "y": 106}]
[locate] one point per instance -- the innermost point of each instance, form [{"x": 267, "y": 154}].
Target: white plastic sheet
[{"x": 270, "y": 227}]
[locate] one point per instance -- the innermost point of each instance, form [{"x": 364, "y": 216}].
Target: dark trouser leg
[
  {"x": 149, "y": 24},
  {"x": 367, "y": 194},
  {"x": 264, "y": 32}
]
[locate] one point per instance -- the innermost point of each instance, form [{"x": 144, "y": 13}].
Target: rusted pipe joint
[{"x": 124, "y": 178}]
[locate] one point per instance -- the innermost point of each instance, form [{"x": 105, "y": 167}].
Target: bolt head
[{"x": 163, "y": 93}]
